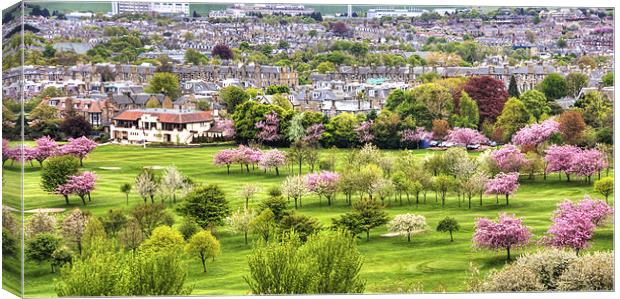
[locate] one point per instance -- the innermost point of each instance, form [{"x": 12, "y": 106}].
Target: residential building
[{"x": 165, "y": 8}]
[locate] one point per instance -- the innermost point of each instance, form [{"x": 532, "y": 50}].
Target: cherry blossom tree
[
  {"x": 324, "y": 183},
  {"x": 81, "y": 185},
  {"x": 272, "y": 159},
  {"x": 314, "y": 133},
  {"x": 268, "y": 128},
  {"x": 6, "y": 151},
  {"x": 503, "y": 183},
  {"x": 225, "y": 157},
  {"x": 466, "y": 136},
  {"x": 409, "y": 136},
  {"x": 407, "y": 225},
  {"x": 46, "y": 147},
  {"x": 247, "y": 192},
  {"x": 509, "y": 158},
  {"x": 29, "y": 154},
  {"x": 79, "y": 147},
  {"x": 364, "y": 132},
  {"x": 587, "y": 162},
  {"x": 245, "y": 155},
  {"x": 295, "y": 187},
  {"x": 535, "y": 134},
  {"x": 559, "y": 158},
  {"x": 228, "y": 127},
  {"x": 507, "y": 233},
  {"x": 574, "y": 223}
]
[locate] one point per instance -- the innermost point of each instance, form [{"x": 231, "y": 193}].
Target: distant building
[
  {"x": 165, "y": 8},
  {"x": 161, "y": 125},
  {"x": 377, "y": 13}
]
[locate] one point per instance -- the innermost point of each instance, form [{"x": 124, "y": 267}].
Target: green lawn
[{"x": 391, "y": 265}]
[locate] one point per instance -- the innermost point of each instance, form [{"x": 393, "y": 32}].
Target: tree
[
  {"x": 436, "y": 98},
  {"x": 113, "y": 221},
  {"x": 466, "y": 136},
  {"x": 39, "y": 223},
  {"x": 41, "y": 247},
  {"x": 553, "y": 86},
  {"x": 604, "y": 186},
  {"x": 596, "y": 108},
  {"x": 324, "y": 183},
  {"x": 263, "y": 224},
  {"x": 272, "y": 159},
  {"x": 450, "y": 225},
  {"x": 440, "y": 129},
  {"x": 171, "y": 181},
  {"x": 165, "y": 83},
  {"x": 303, "y": 226},
  {"x": 536, "y": 103},
  {"x": 369, "y": 214},
  {"x": 80, "y": 147},
  {"x": 81, "y": 185},
  {"x": 132, "y": 235},
  {"x": 72, "y": 227},
  {"x": 247, "y": 192},
  {"x": 575, "y": 82},
  {"x": 46, "y": 147},
  {"x": 163, "y": 239},
  {"x": 56, "y": 171},
  {"x": 408, "y": 224},
  {"x": 233, "y": 96},
  {"x": 508, "y": 158},
  {"x": 490, "y": 95},
  {"x": 295, "y": 187},
  {"x": 225, "y": 157},
  {"x": 572, "y": 126},
  {"x": 207, "y": 205},
  {"x": 467, "y": 116},
  {"x": 204, "y": 245},
  {"x": 559, "y": 158},
  {"x": 513, "y": 89},
  {"x": 340, "y": 130},
  {"x": 94, "y": 237},
  {"x": 514, "y": 116},
  {"x": 507, "y": 233},
  {"x": 150, "y": 216},
  {"x": 126, "y": 188},
  {"x": 503, "y": 183},
  {"x": 326, "y": 67},
  {"x": 194, "y": 57},
  {"x": 240, "y": 220},
  {"x": 75, "y": 126},
  {"x": 146, "y": 185},
  {"x": 535, "y": 134},
  {"x": 222, "y": 51},
  {"x": 608, "y": 79},
  {"x": 441, "y": 184}
]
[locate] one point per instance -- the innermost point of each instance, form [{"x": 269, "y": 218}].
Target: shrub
[
  {"x": 513, "y": 278},
  {"x": 548, "y": 264},
  {"x": 594, "y": 272}
]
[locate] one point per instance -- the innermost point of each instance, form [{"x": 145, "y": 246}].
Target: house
[
  {"x": 98, "y": 112},
  {"x": 161, "y": 125}
]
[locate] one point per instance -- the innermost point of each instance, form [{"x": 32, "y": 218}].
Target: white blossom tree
[
  {"x": 248, "y": 191},
  {"x": 240, "y": 220},
  {"x": 171, "y": 181},
  {"x": 295, "y": 187},
  {"x": 408, "y": 224}
]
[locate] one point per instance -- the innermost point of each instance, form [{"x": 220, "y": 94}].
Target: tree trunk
[
  {"x": 204, "y": 264},
  {"x": 508, "y": 252},
  {"x": 451, "y": 238},
  {"x": 227, "y": 168},
  {"x": 408, "y": 237},
  {"x": 277, "y": 171},
  {"x": 507, "y": 199},
  {"x": 367, "y": 235},
  {"x": 83, "y": 199},
  {"x": 127, "y": 195},
  {"x": 66, "y": 199},
  {"x": 245, "y": 236}
]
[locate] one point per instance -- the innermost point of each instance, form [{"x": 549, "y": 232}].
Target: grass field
[{"x": 391, "y": 265}]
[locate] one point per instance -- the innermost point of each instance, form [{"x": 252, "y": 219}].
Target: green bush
[{"x": 593, "y": 272}]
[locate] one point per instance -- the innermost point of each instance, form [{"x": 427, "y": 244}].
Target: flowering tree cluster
[
  {"x": 466, "y": 136},
  {"x": 573, "y": 160},
  {"x": 535, "y": 134},
  {"x": 243, "y": 155},
  {"x": 503, "y": 183},
  {"x": 509, "y": 158},
  {"x": 508, "y": 232},
  {"x": 268, "y": 128},
  {"x": 314, "y": 134},
  {"x": 574, "y": 223},
  {"x": 225, "y": 157},
  {"x": 364, "y": 132},
  {"x": 272, "y": 159},
  {"x": 81, "y": 185},
  {"x": 410, "y": 136},
  {"x": 324, "y": 183},
  {"x": 46, "y": 147}
]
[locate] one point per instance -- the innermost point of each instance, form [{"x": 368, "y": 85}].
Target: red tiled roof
[
  {"x": 167, "y": 117},
  {"x": 94, "y": 107}
]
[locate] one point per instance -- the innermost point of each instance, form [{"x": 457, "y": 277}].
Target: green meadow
[{"x": 429, "y": 263}]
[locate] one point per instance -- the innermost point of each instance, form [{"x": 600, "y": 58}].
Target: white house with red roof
[{"x": 161, "y": 125}]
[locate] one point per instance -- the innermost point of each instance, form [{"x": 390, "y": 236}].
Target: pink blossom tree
[
  {"x": 314, "y": 133},
  {"x": 6, "y": 151},
  {"x": 364, "y": 132},
  {"x": 29, "y": 154},
  {"x": 225, "y": 157},
  {"x": 574, "y": 223},
  {"x": 507, "y": 233},
  {"x": 79, "y": 147},
  {"x": 466, "y": 136},
  {"x": 245, "y": 155},
  {"x": 503, "y": 183},
  {"x": 535, "y": 134},
  {"x": 268, "y": 128},
  {"x": 81, "y": 185},
  {"x": 509, "y": 158},
  {"x": 46, "y": 147},
  {"x": 228, "y": 127},
  {"x": 324, "y": 183},
  {"x": 587, "y": 162},
  {"x": 272, "y": 159},
  {"x": 409, "y": 136},
  {"x": 560, "y": 158}
]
